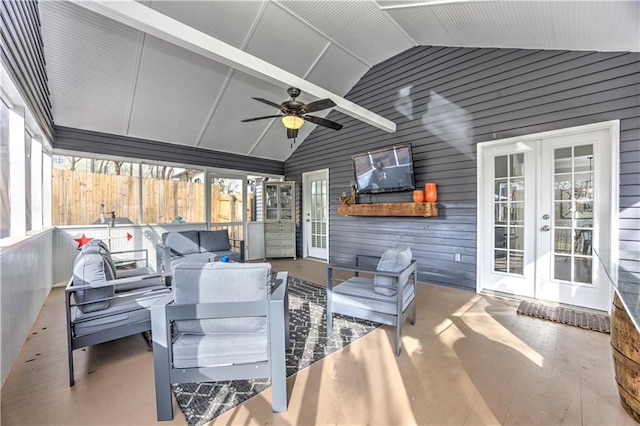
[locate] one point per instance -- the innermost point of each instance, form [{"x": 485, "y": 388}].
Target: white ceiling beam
[{"x": 145, "y": 19}]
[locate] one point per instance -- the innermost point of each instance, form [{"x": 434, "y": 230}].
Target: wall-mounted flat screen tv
[{"x": 384, "y": 170}]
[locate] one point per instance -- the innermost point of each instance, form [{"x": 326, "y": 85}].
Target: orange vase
[
  {"x": 430, "y": 192},
  {"x": 418, "y": 196}
]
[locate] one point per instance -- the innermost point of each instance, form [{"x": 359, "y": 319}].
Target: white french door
[
  {"x": 509, "y": 224},
  {"x": 546, "y": 203},
  {"x": 315, "y": 212}
]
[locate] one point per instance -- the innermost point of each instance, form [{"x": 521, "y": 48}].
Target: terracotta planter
[
  {"x": 430, "y": 192},
  {"x": 418, "y": 196}
]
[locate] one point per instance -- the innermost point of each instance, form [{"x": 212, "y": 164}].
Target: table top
[{"x": 623, "y": 270}]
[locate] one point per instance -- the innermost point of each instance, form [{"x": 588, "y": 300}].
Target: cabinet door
[
  {"x": 286, "y": 201},
  {"x": 271, "y": 201}
]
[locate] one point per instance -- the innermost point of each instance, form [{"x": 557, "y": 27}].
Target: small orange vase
[
  {"x": 430, "y": 192},
  {"x": 418, "y": 196}
]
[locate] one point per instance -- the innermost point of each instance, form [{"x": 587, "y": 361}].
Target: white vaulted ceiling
[{"x": 116, "y": 77}]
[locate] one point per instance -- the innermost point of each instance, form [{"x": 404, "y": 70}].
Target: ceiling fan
[{"x": 294, "y": 113}]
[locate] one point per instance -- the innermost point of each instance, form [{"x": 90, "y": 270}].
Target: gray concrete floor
[{"x": 469, "y": 360}]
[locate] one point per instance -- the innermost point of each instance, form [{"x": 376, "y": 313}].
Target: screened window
[
  {"x": 27, "y": 181},
  {"x": 88, "y": 191},
  {"x": 172, "y": 194},
  {"x": 5, "y": 204}
]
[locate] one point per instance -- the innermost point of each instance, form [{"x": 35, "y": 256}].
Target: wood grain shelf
[{"x": 389, "y": 209}]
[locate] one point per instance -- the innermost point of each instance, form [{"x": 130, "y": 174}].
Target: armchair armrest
[
  {"x": 400, "y": 275},
  {"x": 145, "y": 255},
  {"x": 279, "y": 289},
  {"x": 357, "y": 269},
  {"x": 163, "y": 261},
  {"x": 137, "y": 272},
  {"x": 366, "y": 256},
  {"x": 161, "y": 303},
  {"x": 238, "y": 244},
  {"x": 155, "y": 281},
  {"x": 116, "y": 282}
]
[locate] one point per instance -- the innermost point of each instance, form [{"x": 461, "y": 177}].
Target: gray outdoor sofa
[
  {"x": 197, "y": 246},
  {"x": 103, "y": 303}
]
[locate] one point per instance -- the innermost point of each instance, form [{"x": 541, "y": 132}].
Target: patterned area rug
[
  {"x": 203, "y": 402},
  {"x": 582, "y": 319}
]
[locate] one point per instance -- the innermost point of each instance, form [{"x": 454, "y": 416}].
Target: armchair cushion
[
  {"x": 207, "y": 350},
  {"x": 211, "y": 241},
  {"x": 356, "y": 292},
  {"x": 126, "y": 310},
  {"x": 182, "y": 243},
  {"x": 235, "y": 282},
  {"x": 393, "y": 260}
]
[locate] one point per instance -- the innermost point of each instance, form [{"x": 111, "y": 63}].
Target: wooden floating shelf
[{"x": 389, "y": 209}]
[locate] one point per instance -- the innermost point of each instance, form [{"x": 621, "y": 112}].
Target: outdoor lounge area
[
  {"x": 320, "y": 212},
  {"x": 469, "y": 360}
]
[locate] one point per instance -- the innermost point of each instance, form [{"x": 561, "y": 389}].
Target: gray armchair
[
  {"x": 226, "y": 321},
  {"x": 387, "y": 296},
  {"x": 103, "y": 303}
]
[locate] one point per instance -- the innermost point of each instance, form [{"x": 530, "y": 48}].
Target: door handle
[{"x": 545, "y": 228}]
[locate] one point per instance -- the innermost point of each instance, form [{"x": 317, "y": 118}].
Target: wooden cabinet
[{"x": 279, "y": 219}]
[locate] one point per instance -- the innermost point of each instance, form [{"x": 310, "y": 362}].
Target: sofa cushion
[
  {"x": 393, "y": 260},
  {"x": 214, "y": 240},
  {"x": 91, "y": 268},
  {"x": 181, "y": 243},
  {"x": 193, "y": 257}
]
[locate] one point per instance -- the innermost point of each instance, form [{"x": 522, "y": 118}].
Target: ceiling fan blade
[
  {"x": 318, "y": 105},
  {"x": 264, "y": 101},
  {"x": 259, "y": 118},
  {"x": 292, "y": 133},
  {"x": 322, "y": 122}
]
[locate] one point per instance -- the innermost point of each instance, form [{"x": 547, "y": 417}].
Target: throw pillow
[
  {"x": 393, "y": 260},
  {"x": 92, "y": 268},
  {"x": 100, "y": 247}
]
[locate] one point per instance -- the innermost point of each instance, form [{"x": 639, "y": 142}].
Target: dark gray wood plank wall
[
  {"x": 127, "y": 147},
  {"x": 506, "y": 92},
  {"x": 22, "y": 54}
]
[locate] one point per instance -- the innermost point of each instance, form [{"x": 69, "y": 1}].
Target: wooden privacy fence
[{"x": 77, "y": 198}]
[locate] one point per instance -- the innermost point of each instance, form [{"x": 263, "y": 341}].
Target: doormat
[{"x": 568, "y": 316}]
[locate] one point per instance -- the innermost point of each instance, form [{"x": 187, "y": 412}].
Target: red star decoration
[{"x": 82, "y": 241}]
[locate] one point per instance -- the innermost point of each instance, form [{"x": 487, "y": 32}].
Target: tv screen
[{"x": 384, "y": 170}]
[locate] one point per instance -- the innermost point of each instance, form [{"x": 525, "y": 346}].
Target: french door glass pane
[
  {"x": 509, "y": 212},
  {"x": 573, "y": 213},
  {"x": 318, "y": 217}
]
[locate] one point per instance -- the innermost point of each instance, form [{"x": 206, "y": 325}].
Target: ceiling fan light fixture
[{"x": 292, "y": 121}]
